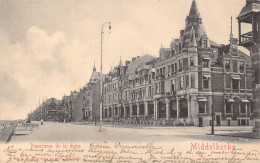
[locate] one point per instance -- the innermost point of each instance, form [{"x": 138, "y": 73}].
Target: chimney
[
  {"x": 127, "y": 63},
  {"x": 133, "y": 59},
  {"x": 181, "y": 33}
]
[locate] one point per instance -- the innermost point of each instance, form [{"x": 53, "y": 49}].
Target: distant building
[
  {"x": 91, "y": 97},
  {"x": 53, "y": 109}
]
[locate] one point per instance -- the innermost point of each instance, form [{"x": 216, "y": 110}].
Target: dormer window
[
  {"x": 180, "y": 65},
  {"x": 205, "y": 62},
  {"x": 199, "y": 20},
  {"x": 191, "y": 61},
  {"x": 205, "y": 44},
  {"x": 227, "y": 64}
]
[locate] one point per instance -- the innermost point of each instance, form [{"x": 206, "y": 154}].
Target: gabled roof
[
  {"x": 152, "y": 62},
  {"x": 132, "y": 67},
  {"x": 225, "y": 49},
  {"x": 214, "y": 44},
  {"x": 57, "y": 101},
  {"x": 95, "y": 76}
]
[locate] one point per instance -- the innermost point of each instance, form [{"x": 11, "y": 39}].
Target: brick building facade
[{"x": 185, "y": 84}]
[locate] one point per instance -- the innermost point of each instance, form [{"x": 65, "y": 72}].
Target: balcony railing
[
  {"x": 159, "y": 95},
  {"x": 246, "y": 37}
]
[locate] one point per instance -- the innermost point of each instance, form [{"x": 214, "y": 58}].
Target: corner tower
[{"x": 194, "y": 22}]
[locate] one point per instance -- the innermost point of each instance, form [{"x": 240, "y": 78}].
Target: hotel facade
[{"x": 189, "y": 81}]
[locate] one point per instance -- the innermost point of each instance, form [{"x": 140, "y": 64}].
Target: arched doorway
[
  {"x": 116, "y": 110},
  {"x": 134, "y": 111},
  {"x": 122, "y": 111},
  {"x": 183, "y": 108},
  {"x": 109, "y": 111}
]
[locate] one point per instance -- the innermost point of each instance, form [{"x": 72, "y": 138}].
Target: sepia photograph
[{"x": 130, "y": 81}]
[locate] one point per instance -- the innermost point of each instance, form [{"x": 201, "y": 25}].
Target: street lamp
[
  {"x": 212, "y": 111},
  {"x": 101, "y": 77}
]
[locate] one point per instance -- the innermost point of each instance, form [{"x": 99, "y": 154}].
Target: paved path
[{"x": 66, "y": 132}]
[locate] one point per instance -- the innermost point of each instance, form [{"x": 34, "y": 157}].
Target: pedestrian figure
[{"x": 41, "y": 121}]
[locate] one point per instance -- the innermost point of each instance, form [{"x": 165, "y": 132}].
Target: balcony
[
  {"x": 170, "y": 94},
  {"x": 160, "y": 77},
  {"x": 159, "y": 95},
  {"x": 246, "y": 38}
]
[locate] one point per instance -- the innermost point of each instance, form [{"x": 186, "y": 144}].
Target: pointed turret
[
  {"x": 194, "y": 11},
  {"x": 120, "y": 63},
  {"x": 193, "y": 42},
  {"x": 194, "y": 21},
  {"x": 94, "y": 68}
]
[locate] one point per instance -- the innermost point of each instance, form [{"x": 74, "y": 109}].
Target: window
[
  {"x": 173, "y": 86},
  {"x": 202, "y": 107},
  {"x": 173, "y": 70},
  {"x": 243, "y": 107},
  {"x": 176, "y": 67},
  {"x": 191, "y": 61},
  {"x": 192, "y": 82},
  {"x": 157, "y": 73},
  {"x": 205, "y": 82},
  {"x": 162, "y": 87},
  {"x": 157, "y": 88},
  {"x": 181, "y": 80},
  {"x": 241, "y": 66},
  {"x": 169, "y": 70},
  {"x": 228, "y": 107},
  {"x": 180, "y": 47},
  {"x": 163, "y": 72},
  {"x": 153, "y": 75},
  {"x": 199, "y": 20},
  {"x": 235, "y": 84},
  {"x": 205, "y": 43},
  {"x": 227, "y": 64},
  {"x": 180, "y": 65},
  {"x": 205, "y": 63},
  {"x": 150, "y": 91},
  {"x": 187, "y": 81}
]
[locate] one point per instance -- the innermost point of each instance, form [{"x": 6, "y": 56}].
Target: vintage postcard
[{"x": 129, "y": 81}]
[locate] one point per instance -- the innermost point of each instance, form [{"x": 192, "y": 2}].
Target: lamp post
[
  {"x": 101, "y": 77},
  {"x": 212, "y": 111}
]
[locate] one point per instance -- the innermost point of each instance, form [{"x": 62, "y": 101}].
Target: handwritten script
[{"x": 119, "y": 152}]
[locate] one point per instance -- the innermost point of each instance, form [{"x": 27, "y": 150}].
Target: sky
[{"x": 48, "y": 47}]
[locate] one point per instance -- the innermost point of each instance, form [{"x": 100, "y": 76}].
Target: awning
[
  {"x": 236, "y": 77},
  {"x": 205, "y": 58},
  {"x": 244, "y": 100},
  {"x": 202, "y": 99},
  {"x": 206, "y": 76},
  {"x": 230, "y": 100}
]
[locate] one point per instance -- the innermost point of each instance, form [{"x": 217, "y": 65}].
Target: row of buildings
[{"x": 192, "y": 80}]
